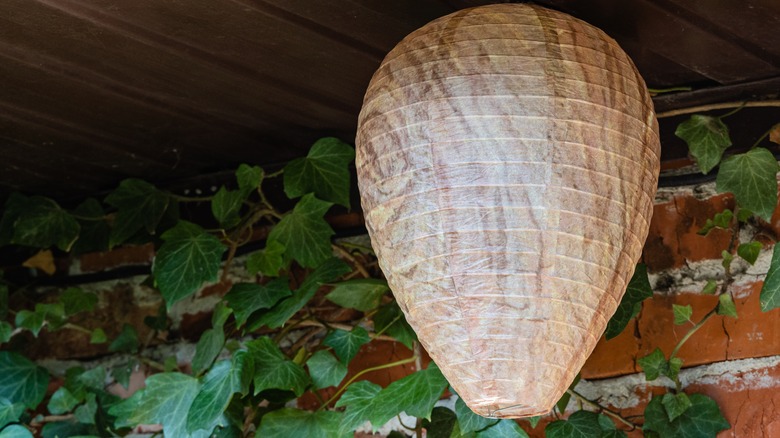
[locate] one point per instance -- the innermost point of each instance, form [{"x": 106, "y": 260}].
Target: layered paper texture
[{"x": 507, "y": 160}]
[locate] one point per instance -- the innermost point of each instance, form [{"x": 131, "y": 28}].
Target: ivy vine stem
[
  {"x": 417, "y": 348},
  {"x": 355, "y": 262},
  {"x": 717, "y": 106},
  {"x": 763, "y": 136},
  {"x": 374, "y": 336},
  {"x": 601, "y": 408},
  {"x": 76, "y": 327},
  {"x": 693, "y": 330},
  {"x": 275, "y": 174},
  {"x": 734, "y": 111},
  {"x": 96, "y": 218},
  {"x": 51, "y": 419},
  {"x": 667, "y": 90},
  {"x": 363, "y": 372},
  {"x": 182, "y": 198}
]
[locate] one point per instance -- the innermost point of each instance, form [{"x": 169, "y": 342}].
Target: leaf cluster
[{"x": 247, "y": 366}]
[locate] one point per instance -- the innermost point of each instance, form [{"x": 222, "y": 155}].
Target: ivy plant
[{"x": 268, "y": 344}]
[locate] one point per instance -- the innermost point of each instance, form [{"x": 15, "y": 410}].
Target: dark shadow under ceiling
[{"x": 95, "y": 91}]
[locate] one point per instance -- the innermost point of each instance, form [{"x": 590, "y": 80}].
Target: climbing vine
[{"x": 268, "y": 345}]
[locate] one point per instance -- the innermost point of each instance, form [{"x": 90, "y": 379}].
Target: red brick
[
  {"x": 753, "y": 334},
  {"x": 613, "y": 357},
  {"x": 672, "y": 238},
  {"x": 120, "y": 256}
]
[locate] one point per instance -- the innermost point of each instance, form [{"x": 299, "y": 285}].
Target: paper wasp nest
[{"x": 508, "y": 158}]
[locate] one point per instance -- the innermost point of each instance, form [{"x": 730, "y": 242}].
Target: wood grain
[{"x": 507, "y": 158}]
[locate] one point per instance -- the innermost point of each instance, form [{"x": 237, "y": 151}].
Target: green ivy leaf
[
  {"x": 563, "y": 402},
  {"x": 358, "y": 399},
  {"x": 749, "y": 251},
  {"x": 654, "y": 364},
  {"x": 638, "y": 290},
  {"x": 29, "y": 320},
  {"x": 707, "y": 138},
  {"x": 675, "y": 404},
  {"x": 226, "y": 206},
  {"x": 6, "y": 330},
  {"x": 468, "y": 420},
  {"x": 360, "y": 294},
  {"x": 125, "y": 411},
  {"x": 503, "y": 429},
  {"x": 743, "y": 215},
  {"x": 94, "y": 378},
  {"x": 247, "y": 298},
  {"x": 222, "y": 381},
  {"x": 325, "y": 370},
  {"x": 3, "y": 301},
  {"x": 76, "y": 300},
  {"x": 98, "y": 336},
  {"x": 727, "y": 259},
  {"x": 122, "y": 372},
  {"x": 770, "y": 291},
  {"x": 581, "y": 424},
  {"x": 208, "y": 348},
  {"x": 53, "y": 313},
  {"x": 268, "y": 261},
  {"x": 752, "y": 178},
  {"x": 94, "y": 235},
  {"x": 166, "y": 400},
  {"x": 14, "y": 206},
  {"x": 414, "y": 394},
  {"x": 9, "y": 412},
  {"x": 86, "y": 412},
  {"x": 159, "y": 322},
  {"x": 127, "y": 341},
  {"x": 289, "y": 422},
  {"x": 608, "y": 429},
  {"x": 721, "y": 220},
  {"x": 16, "y": 431},
  {"x": 441, "y": 423},
  {"x": 726, "y": 306},
  {"x": 139, "y": 205},
  {"x": 42, "y": 223},
  {"x": 710, "y": 288},
  {"x": 324, "y": 172},
  {"x": 682, "y": 314},
  {"x": 220, "y": 314},
  {"x": 675, "y": 364},
  {"x": 249, "y": 178},
  {"x": 329, "y": 271},
  {"x": 347, "y": 343},
  {"x": 273, "y": 370},
  {"x": 533, "y": 421},
  {"x": 389, "y": 319},
  {"x": 21, "y": 381},
  {"x": 188, "y": 258},
  {"x": 62, "y": 401},
  {"x": 304, "y": 233},
  {"x": 702, "y": 419}
]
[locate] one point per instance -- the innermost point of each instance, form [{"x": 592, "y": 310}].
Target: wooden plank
[
  {"x": 379, "y": 25},
  {"x": 670, "y": 36},
  {"x": 658, "y": 71},
  {"x": 751, "y": 25},
  {"x": 757, "y": 90},
  {"x": 149, "y": 59},
  {"x": 230, "y": 38}
]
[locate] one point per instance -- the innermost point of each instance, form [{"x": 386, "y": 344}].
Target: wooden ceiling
[{"x": 94, "y": 91}]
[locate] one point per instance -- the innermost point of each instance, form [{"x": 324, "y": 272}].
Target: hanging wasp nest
[{"x": 507, "y": 158}]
